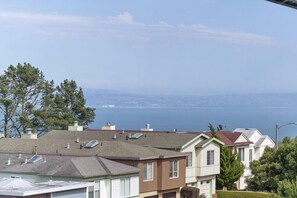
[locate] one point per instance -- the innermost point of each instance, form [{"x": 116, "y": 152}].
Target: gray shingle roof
[
  {"x": 108, "y": 149},
  {"x": 66, "y": 166},
  {"x": 165, "y": 140}
]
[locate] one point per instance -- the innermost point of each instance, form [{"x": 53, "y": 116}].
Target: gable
[{"x": 241, "y": 138}]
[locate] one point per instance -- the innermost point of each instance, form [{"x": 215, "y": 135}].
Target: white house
[
  {"x": 203, "y": 163},
  {"x": 260, "y": 142},
  {"x": 241, "y": 143}
]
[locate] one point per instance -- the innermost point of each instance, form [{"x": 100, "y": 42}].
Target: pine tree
[{"x": 231, "y": 168}]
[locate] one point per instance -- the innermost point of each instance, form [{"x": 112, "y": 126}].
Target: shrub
[{"x": 241, "y": 194}]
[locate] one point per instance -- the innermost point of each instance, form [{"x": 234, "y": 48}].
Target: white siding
[
  {"x": 241, "y": 138},
  {"x": 134, "y": 186},
  {"x": 115, "y": 186},
  {"x": 105, "y": 188},
  {"x": 202, "y": 168}
]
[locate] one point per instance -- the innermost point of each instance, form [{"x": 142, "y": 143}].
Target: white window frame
[
  {"x": 241, "y": 154},
  {"x": 148, "y": 166},
  {"x": 189, "y": 160},
  {"x": 173, "y": 169},
  {"x": 250, "y": 155},
  {"x": 210, "y": 157},
  {"x": 125, "y": 187}
]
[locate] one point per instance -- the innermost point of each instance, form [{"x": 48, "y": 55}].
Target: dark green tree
[
  {"x": 262, "y": 180},
  {"x": 231, "y": 168},
  {"x": 275, "y": 166},
  {"x": 27, "y": 100},
  {"x": 69, "y": 99},
  {"x": 212, "y": 130},
  {"x": 8, "y": 103},
  {"x": 26, "y": 83}
]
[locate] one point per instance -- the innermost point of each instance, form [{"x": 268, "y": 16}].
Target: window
[
  {"x": 148, "y": 171},
  {"x": 251, "y": 155},
  {"x": 210, "y": 157},
  {"x": 241, "y": 153},
  {"x": 125, "y": 187},
  {"x": 189, "y": 159},
  {"x": 173, "y": 169}
]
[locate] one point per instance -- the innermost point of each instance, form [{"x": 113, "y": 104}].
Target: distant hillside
[{"x": 110, "y": 98}]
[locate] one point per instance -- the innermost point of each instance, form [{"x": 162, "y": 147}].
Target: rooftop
[
  {"x": 65, "y": 143},
  {"x": 66, "y": 166},
  {"x": 19, "y": 187},
  {"x": 156, "y": 139}
]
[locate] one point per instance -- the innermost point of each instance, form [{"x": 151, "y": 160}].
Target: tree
[
  {"x": 28, "y": 100},
  {"x": 274, "y": 167},
  {"x": 8, "y": 103},
  {"x": 287, "y": 189},
  {"x": 212, "y": 131},
  {"x": 25, "y": 84},
  {"x": 70, "y": 100},
  {"x": 262, "y": 180},
  {"x": 231, "y": 168}
]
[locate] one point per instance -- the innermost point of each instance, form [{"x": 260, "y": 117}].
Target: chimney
[
  {"x": 108, "y": 127},
  {"x": 20, "y": 155},
  {"x": 77, "y": 140},
  {"x": 68, "y": 146},
  {"x": 147, "y": 128},
  {"x": 75, "y": 127},
  {"x": 26, "y": 160},
  {"x": 114, "y": 136}
]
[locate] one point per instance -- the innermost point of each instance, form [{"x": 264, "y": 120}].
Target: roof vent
[
  {"x": 8, "y": 161},
  {"x": 136, "y": 135},
  {"x": 92, "y": 144},
  {"x": 68, "y": 146},
  {"x": 34, "y": 159},
  {"x": 20, "y": 155},
  {"x": 114, "y": 136},
  {"x": 26, "y": 160},
  {"x": 77, "y": 140}
]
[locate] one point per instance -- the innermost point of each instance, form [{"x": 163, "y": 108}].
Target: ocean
[{"x": 198, "y": 119}]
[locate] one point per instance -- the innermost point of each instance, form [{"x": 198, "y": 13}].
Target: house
[
  {"x": 203, "y": 152},
  {"x": 108, "y": 177},
  {"x": 244, "y": 148},
  {"x": 17, "y": 187},
  {"x": 162, "y": 172},
  {"x": 260, "y": 142}
]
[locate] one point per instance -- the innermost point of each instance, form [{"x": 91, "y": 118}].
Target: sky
[{"x": 193, "y": 47}]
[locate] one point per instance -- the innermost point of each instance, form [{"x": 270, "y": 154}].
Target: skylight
[
  {"x": 136, "y": 135},
  {"x": 92, "y": 144},
  {"x": 34, "y": 159}
]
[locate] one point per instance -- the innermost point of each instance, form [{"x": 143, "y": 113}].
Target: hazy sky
[{"x": 196, "y": 47}]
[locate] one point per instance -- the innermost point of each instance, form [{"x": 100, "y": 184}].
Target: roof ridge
[
  {"x": 99, "y": 159},
  {"x": 72, "y": 162}
]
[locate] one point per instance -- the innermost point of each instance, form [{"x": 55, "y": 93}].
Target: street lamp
[{"x": 276, "y": 131}]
